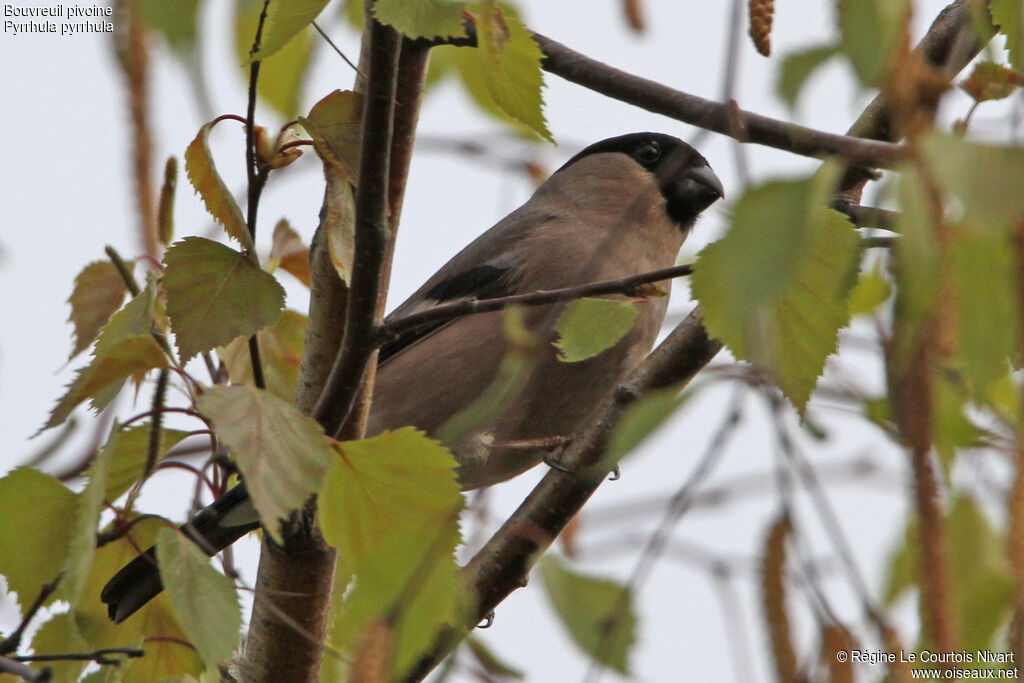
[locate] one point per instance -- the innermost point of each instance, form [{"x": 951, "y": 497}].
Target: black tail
[{"x": 216, "y": 527}]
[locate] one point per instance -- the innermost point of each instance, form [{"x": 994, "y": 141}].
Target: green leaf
[
  {"x": 175, "y": 21},
  {"x": 797, "y": 67},
  {"x": 872, "y": 290},
  {"x": 99, "y": 291},
  {"x": 981, "y": 579},
  {"x": 334, "y": 124},
  {"x": 642, "y": 419},
  {"x": 82, "y": 544},
  {"x": 490, "y": 662},
  {"x": 280, "y": 352},
  {"x": 390, "y": 505},
  {"x": 204, "y": 600},
  {"x": 510, "y": 60},
  {"x": 283, "y": 74},
  {"x": 952, "y": 428},
  {"x": 282, "y": 453},
  {"x": 284, "y": 21},
  {"x": 589, "y": 326},
  {"x": 38, "y": 513},
  {"x": 386, "y": 486},
  {"x": 215, "y": 294},
  {"x": 60, "y": 635},
  {"x": 102, "y": 379},
  {"x": 988, "y": 180},
  {"x": 153, "y": 628},
  {"x": 219, "y": 201},
  {"x": 776, "y": 288},
  {"x": 917, "y": 260},
  {"x": 885, "y": 21},
  {"x": 1007, "y": 14},
  {"x": 984, "y": 268},
  {"x": 427, "y": 18},
  {"x": 597, "y": 613},
  {"x": 127, "y": 448}
]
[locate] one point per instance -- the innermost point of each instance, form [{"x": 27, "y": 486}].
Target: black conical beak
[{"x": 691, "y": 192}]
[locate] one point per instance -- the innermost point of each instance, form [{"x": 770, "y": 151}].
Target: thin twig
[
  {"x": 336, "y": 48},
  {"x": 626, "y": 285},
  {"x": 13, "y": 641},
  {"x": 257, "y": 175}
]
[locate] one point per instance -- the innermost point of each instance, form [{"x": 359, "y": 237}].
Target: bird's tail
[{"x": 216, "y": 527}]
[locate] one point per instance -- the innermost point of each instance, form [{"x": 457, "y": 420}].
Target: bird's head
[{"x": 684, "y": 177}]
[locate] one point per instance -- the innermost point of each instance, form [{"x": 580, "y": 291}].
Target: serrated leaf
[
  {"x": 1008, "y": 15},
  {"x": 589, "y": 326},
  {"x": 282, "y": 74},
  {"x": 990, "y": 81},
  {"x": 776, "y": 288},
  {"x": 797, "y": 67},
  {"x": 98, "y": 292},
  {"x": 510, "y": 59},
  {"x": 59, "y": 635},
  {"x": 284, "y": 21},
  {"x": 203, "y": 599},
  {"x": 101, "y": 380},
  {"x": 215, "y": 294},
  {"x": 383, "y": 487},
  {"x": 128, "y": 447},
  {"x": 216, "y": 196},
  {"x": 427, "y": 18},
  {"x": 175, "y": 21},
  {"x": 133, "y": 321},
  {"x": 871, "y": 291},
  {"x": 280, "y": 352},
  {"x": 334, "y": 123},
  {"x": 38, "y": 513},
  {"x": 390, "y": 505},
  {"x": 282, "y": 453},
  {"x": 597, "y": 613},
  {"x": 642, "y": 419},
  {"x": 289, "y": 252},
  {"x": 886, "y": 21}
]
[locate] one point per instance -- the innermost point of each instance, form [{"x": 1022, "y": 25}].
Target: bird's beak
[{"x": 700, "y": 187}]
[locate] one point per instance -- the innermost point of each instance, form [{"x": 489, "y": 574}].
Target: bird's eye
[{"x": 648, "y": 152}]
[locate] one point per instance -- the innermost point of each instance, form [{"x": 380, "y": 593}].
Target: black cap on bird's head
[{"x": 684, "y": 176}]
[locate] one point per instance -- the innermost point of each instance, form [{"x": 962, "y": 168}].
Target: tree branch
[
  {"x": 367, "y": 284},
  {"x": 714, "y": 116},
  {"x": 457, "y": 309}
]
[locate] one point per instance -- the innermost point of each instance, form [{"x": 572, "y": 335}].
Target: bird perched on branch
[{"x": 620, "y": 207}]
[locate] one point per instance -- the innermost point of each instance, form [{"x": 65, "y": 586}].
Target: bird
[{"x": 620, "y": 207}]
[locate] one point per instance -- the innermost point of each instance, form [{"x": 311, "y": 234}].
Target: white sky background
[{"x": 65, "y": 193}]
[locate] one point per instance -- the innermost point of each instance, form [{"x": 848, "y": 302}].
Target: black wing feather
[{"x": 481, "y": 282}]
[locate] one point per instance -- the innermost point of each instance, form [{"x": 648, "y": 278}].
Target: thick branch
[
  {"x": 457, "y": 309},
  {"x": 371, "y": 238},
  {"x": 715, "y": 116}
]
